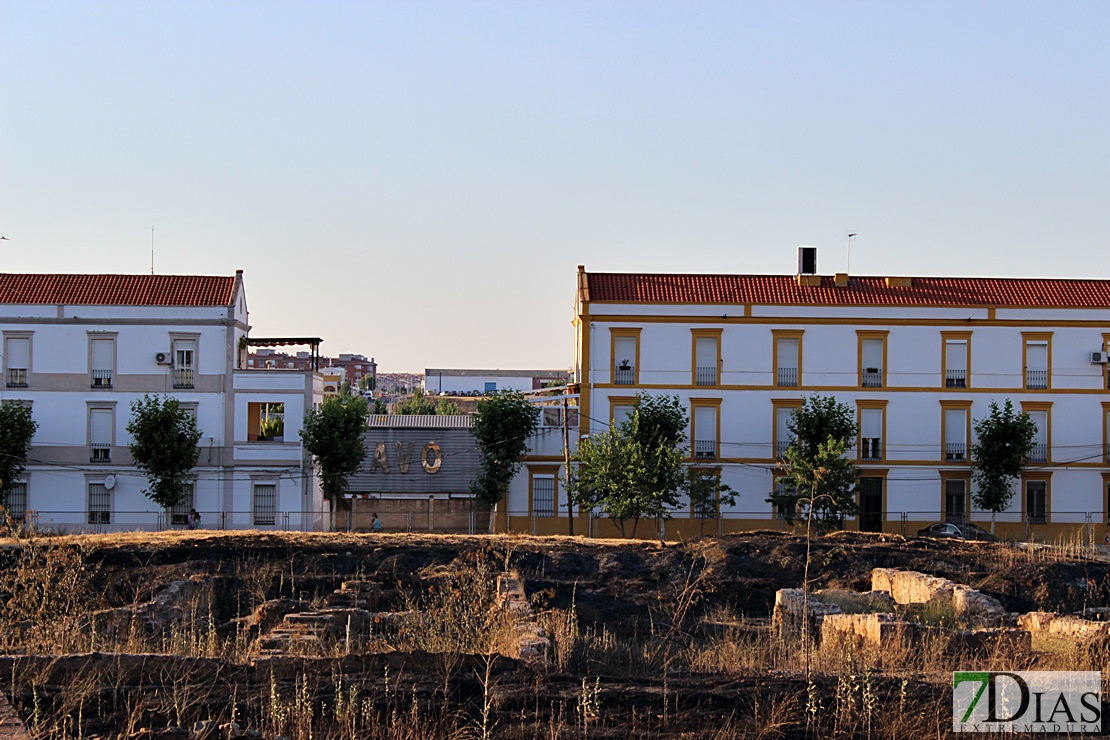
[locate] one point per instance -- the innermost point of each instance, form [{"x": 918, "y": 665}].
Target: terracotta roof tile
[
  {"x": 860, "y": 291},
  {"x": 117, "y": 290}
]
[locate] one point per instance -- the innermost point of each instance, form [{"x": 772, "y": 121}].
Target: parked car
[{"x": 957, "y": 532}]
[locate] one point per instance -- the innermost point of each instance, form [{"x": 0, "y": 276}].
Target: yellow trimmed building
[{"x": 918, "y": 358}]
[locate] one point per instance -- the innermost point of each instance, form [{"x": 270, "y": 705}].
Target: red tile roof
[
  {"x": 860, "y": 291},
  {"x": 117, "y": 290}
]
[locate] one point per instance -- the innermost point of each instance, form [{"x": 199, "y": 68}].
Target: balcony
[
  {"x": 1036, "y": 379},
  {"x": 870, "y": 448},
  {"x": 705, "y": 449},
  {"x": 787, "y": 377},
  {"x": 624, "y": 375},
  {"x": 17, "y": 377},
  {"x": 955, "y": 452},
  {"x": 1038, "y": 453},
  {"x": 100, "y": 452},
  {"x": 872, "y": 378},
  {"x": 101, "y": 379},
  {"x": 183, "y": 377},
  {"x": 955, "y": 378},
  {"x": 705, "y": 376},
  {"x": 780, "y": 448}
]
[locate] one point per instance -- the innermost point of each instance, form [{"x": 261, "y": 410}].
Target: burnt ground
[{"x": 619, "y": 588}]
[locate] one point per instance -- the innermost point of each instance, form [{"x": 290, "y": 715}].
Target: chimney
[{"x": 841, "y": 280}]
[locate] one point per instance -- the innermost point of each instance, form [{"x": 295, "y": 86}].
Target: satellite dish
[{"x": 110, "y": 482}]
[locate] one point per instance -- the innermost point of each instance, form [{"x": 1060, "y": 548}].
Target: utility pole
[{"x": 566, "y": 466}]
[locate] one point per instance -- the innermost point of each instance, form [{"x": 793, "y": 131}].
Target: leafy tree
[
  {"x": 332, "y": 434},
  {"x": 16, "y": 430},
  {"x": 1004, "y": 439},
  {"x": 417, "y": 403},
  {"x": 380, "y": 406},
  {"x": 637, "y": 469},
  {"x": 447, "y": 407},
  {"x": 501, "y": 427},
  {"x": 367, "y": 383},
  {"x": 164, "y": 439},
  {"x": 816, "y": 472}
]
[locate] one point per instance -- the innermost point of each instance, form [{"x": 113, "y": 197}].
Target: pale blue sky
[{"x": 418, "y": 180}]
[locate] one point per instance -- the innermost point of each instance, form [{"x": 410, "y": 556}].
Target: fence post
[
  {"x": 285, "y": 521},
  {"x": 223, "y": 520}
]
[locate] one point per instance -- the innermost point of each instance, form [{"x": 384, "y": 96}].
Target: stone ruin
[
  {"x": 350, "y": 616},
  {"x": 881, "y": 623}
]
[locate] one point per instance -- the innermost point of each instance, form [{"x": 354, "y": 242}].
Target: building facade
[
  {"x": 81, "y": 349},
  {"x": 919, "y": 360}
]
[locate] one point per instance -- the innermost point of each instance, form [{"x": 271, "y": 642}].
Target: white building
[
  {"x": 80, "y": 349},
  {"x": 456, "y": 382},
  {"x": 918, "y": 359}
]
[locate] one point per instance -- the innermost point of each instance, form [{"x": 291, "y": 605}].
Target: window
[
  {"x": 99, "y": 503},
  {"x": 706, "y": 485},
  {"x": 1040, "y": 413},
  {"x": 871, "y": 423},
  {"x": 620, "y": 408},
  {"x": 955, "y": 500},
  {"x": 17, "y": 501},
  {"x": 184, "y": 362},
  {"x": 1037, "y": 352},
  {"x": 626, "y": 356},
  {"x": 179, "y": 515},
  {"x": 1106, "y": 366},
  {"x": 1106, "y": 492},
  {"x": 543, "y": 495},
  {"x": 707, "y": 356},
  {"x": 784, "y": 510},
  {"x": 788, "y": 358},
  {"x": 17, "y": 359},
  {"x": 784, "y": 413},
  {"x": 101, "y": 427},
  {"x": 102, "y": 360},
  {"x": 552, "y": 416},
  {"x": 265, "y": 504},
  {"x": 957, "y": 358},
  {"x": 266, "y": 422},
  {"x": 872, "y": 358},
  {"x": 491, "y": 386},
  {"x": 705, "y": 427},
  {"x": 1036, "y": 501},
  {"x": 955, "y": 429},
  {"x": 1106, "y": 431}
]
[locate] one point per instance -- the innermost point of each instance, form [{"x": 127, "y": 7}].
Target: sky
[{"x": 417, "y": 181}]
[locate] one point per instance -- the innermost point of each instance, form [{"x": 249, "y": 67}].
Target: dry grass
[{"x": 857, "y": 691}]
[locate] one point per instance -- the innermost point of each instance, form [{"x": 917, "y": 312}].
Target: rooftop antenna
[
  {"x": 849, "y": 269},
  {"x": 151, "y": 250}
]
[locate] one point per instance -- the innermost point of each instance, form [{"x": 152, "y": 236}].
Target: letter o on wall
[{"x": 431, "y": 467}]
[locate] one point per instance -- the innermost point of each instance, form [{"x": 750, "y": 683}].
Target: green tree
[
  {"x": 816, "y": 472},
  {"x": 637, "y": 469},
  {"x": 367, "y": 383},
  {"x": 501, "y": 427},
  {"x": 332, "y": 434},
  {"x": 16, "y": 430},
  {"x": 380, "y": 406},
  {"x": 1004, "y": 439},
  {"x": 447, "y": 407},
  {"x": 417, "y": 403},
  {"x": 164, "y": 439}
]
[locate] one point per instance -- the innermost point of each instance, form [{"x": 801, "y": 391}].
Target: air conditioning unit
[
  {"x": 163, "y": 358},
  {"x": 1098, "y": 358}
]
